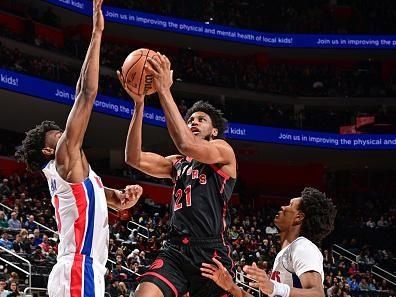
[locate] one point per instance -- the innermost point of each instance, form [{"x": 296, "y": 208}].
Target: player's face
[
  {"x": 201, "y": 125},
  {"x": 288, "y": 215}
]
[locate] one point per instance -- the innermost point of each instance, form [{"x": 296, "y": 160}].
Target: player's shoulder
[
  {"x": 219, "y": 141},
  {"x": 303, "y": 245},
  {"x": 222, "y": 143}
]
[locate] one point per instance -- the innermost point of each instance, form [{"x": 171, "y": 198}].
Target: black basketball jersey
[{"x": 200, "y": 199}]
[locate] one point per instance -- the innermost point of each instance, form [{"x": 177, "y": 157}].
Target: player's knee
[{"x": 147, "y": 289}]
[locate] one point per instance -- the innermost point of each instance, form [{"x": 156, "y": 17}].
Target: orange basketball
[{"x": 134, "y": 74}]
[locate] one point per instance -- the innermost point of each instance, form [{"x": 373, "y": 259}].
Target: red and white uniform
[
  {"x": 298, "y": 257},
  {"x": 81, "y": 215}
]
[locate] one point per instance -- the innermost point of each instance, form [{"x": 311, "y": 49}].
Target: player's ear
[
  {"x": 47, "y": 151},
  {"x": 299, "y": 218},
  {"x": 215, "y": 132}
]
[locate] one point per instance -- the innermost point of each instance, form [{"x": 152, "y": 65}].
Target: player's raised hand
[
  {"x": 217, "y": 273},
  {"x": 98, "y": 19},
  {"x": 260, "y": 277},
  {"x": 130, "y": 195},
  {"x": 159, "y": 67},
  {"x": 137, "y": 98}
]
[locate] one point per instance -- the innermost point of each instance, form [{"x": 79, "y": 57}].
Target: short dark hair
[
  {"x": 216, "y": 115},
  {"x": 319, "y": 214},
  {"x": 30, "y": 151}
]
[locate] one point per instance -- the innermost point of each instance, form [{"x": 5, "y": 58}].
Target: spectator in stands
[
  {"x": 3, "y": 291},
  {"x": 51, "y": 257},
  {"x": 113, "y": 291},
  {"x": 120, "y": 259},
  {"x": 4, "y": 187},
  {"x": 30, "y": 224},
  {"x": 29, "y": 244},
  {"x": 363, "y": 285},
  {"x": 3, "y": 220},
  {"x": 122, "y": 290},
  {"x": 14, "y": 277},
  {"x": 37, "y": 237},
  {"x": 45, "y": 244},
  {"x": 18, "y": 245},
  {"x": 353, "y": 269},
  {"x": 134, "y": 256},
  {"x": 118, "y": 273},
  {"x": 382, "y": 223},
  {"x": 14, "y": 290},
  {"x": 142, "y": 258},
  {"x": 13, "y": 222},
  {"x": 370, "y": 223},
  {"x": 271, "y": 229},
  {"x": 5, "y": 242},
  {"x": 38, "y": 256}
]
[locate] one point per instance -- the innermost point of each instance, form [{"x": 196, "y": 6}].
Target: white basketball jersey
[
  {"x": 81, "y": 215},
  {"x": 298, "y": 257}
]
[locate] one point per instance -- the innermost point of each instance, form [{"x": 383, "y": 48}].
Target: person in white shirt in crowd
[
  {"x": 271, "y": 229},
  {"x": 3, "y": 291}
]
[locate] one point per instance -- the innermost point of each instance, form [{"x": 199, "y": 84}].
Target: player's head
[
  {"x": 206, "y": 121},
  {"x": 313, "y": 213},
  {"x": 39, "y": 145}
]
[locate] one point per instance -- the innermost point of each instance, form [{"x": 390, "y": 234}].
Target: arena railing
[
  {"x": 124, "y": 268},
  {"x": 375, "y": 269},
  {"x": 138, "y": 229},
  {"x": 238, "y": 282},
  {"x": 32, "y": 289},
  {"x": 29, "y": 273}
]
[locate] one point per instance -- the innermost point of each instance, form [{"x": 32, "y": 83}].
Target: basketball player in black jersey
[{"x": 204, "y": 176}]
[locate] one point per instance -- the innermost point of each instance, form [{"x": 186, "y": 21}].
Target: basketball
[{"x": 135, "y": 77}]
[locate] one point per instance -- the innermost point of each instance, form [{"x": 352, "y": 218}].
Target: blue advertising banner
[
  {"x": 60, "y": 93},
  {"x": 183, "y": 26}
]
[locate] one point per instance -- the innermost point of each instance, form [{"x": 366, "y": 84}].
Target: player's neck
[{"x": 287, "y": 237}]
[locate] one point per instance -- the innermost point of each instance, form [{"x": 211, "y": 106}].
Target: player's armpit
[
  {"x": 312, "y": 286},
  {"x": 216, "y": 151},
  {"x": 154, "y": 164}
]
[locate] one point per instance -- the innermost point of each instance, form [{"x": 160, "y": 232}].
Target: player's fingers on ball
[
  {"x": 167, "y": 61},
  {"x": 150, "y": 70},
  {"x": 153, "y": 63},
  {"x": 157, "y": 59},
  {"x": 160, "y": 57}
]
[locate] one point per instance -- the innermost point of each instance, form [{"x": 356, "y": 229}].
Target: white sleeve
[{"x": 306, "y": 257}]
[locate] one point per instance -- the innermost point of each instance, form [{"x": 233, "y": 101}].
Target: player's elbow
[
  {"x": 89, "y": 93},
  {"x": 132, "y": 161},
  {"x": 319, "y": 292}
]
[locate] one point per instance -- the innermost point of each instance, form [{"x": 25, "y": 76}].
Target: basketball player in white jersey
[
  {"x": 78, "y": 195},
  {"x": 298, "y": 267}
]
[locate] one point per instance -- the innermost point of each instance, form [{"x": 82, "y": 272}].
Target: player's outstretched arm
[
  {"x": 69, "y": 146},
  {"x": 214, "y": 152},
  {"x": 150, "y": 163},
  {"x": 127, "y": 198},
  {"x": 219, "y": 274}
]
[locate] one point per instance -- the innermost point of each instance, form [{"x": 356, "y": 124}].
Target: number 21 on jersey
[{"x": 179, "y": 195}]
